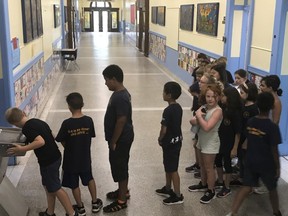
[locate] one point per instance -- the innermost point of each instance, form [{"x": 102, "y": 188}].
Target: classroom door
[{"x": 237, "y": 37}]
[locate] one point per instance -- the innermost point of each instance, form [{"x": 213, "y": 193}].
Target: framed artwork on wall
[
  {"x": 161, "y": 15},
  {"x": 186, "y": 17},
  {"x": 57, "y": 15},
  {"x": 34, "y": 18},
  {"x": 154, "y": 15},
  {"x": 65, "y": 14},
  {"x": 27, "y": 21},
  {"x": 39, "y": 17},
  {"x": 207, "y": 18}
]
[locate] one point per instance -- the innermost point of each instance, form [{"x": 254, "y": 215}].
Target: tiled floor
[{"x": 144, "y": 79}]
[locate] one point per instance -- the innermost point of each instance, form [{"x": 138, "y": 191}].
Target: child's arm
[
  {"x": 276, "y": 112},
  {"x": 37, "y": 143},
  {"x": 120, "y": 122},
  {"x": 276, "y": 160},
  {"x": 208, "y": 125},
  {"x": 162, "y": 134},
  {"x": 233, "y": 152}
]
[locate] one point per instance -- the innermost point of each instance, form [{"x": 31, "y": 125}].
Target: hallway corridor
[{"x": 144, "y": 79}]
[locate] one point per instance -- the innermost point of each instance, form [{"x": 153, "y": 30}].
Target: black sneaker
[
  {"x": 194, "y": 168},
  {"x": 113, "y": 195},
  {"x": 164, "y": 192},
  {"x": 198, "y": 187},
  {"x": 197, "y": 175},
  {"x": 114, "y": 207},
  {"x": 96, "y": 206},
  {"x": 224, "y": 192},
  {"x": 45, "y": 213},
  {"x": 208, "y": 196},
  {"x": 174, "y": 200},
  {"x": 219, "y": 185},
  {"x": 81, "y": 210},
  {"x": 75, "y": 214}
]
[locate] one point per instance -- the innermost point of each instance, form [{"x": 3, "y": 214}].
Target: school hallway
[{"x": 144, "y": 79}]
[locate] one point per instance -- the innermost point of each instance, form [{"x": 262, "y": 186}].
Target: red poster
[{"x": 132, "y": 14}]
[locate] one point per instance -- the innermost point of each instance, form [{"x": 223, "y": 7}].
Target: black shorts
[
  {"x": 71, "y": 180},
  {"x": 251, "y": 178},
  {"x": 119, "y": 159},
  {"x": 171, "y": 155},
  {"x": 50, "y": 176}
]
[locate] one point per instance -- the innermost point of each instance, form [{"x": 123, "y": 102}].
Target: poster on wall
[
  {"x": 207, "y": 18},
  {"x": 132, "y": 14},
  {"x": 186, "y": 17},
  {"x": 27, "y": 21}
]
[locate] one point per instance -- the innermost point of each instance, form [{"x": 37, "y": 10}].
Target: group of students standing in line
[
  {"x": 75, "y": 135},
  {"x": 229, "y": 121}
]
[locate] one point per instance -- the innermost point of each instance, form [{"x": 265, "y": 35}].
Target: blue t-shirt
[{"x": 262, "y": 135}]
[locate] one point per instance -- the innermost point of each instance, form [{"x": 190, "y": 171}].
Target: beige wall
[
  {"x": 261, "y": 46},
  {"x": 174, "y": 34},
  {"x": 41, "y": 44},
  {"x": 284, "y": 70}
]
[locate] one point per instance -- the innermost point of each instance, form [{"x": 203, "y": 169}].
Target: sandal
[
  {"x": 114, "y": 207},
  {"x": 113, "y": 195}
]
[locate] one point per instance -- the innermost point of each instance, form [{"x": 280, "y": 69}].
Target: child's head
[
  {"x": 265, "y": 102},
  {"x": 231, "y": 98},
  {"x": 173, "y": 89},
  {"x": 202, "y": 60},
  {"x": 75, "y": 101},
  {"x": 194, "y": 88},
  {"x": 241, "y": 76},
  {"x": 271, "y": 83},
  {"x": 113, "y": 71},
  {"x": 199, "y": 73},
  {"x": 249, "y": 91},
  {"x": 212, "y": 94},
  {"x": 14, "y": 116},
  {"x": 219, "y": 72}
]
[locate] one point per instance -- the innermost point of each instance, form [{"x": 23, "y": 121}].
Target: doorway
[{"x": 100, "y": 21}]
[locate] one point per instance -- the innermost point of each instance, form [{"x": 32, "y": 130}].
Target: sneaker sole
[
  {"x": 162, "y": 194},
  {"x": 174, "y": 203},
  {"x": 206, "y": 202},
  {"x": 224, "y": 195},
  {"x": 197, "y": 190},
  {"x": 97, "y": 210}
]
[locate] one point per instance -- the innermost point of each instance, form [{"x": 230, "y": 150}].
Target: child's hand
[{"x": 17, "y": 149}]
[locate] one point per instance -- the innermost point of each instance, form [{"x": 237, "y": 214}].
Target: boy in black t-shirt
[
  {"x": 119, "y": 134},
  {"x": 170, "y": 139},
  {"x": 40, "y": 139},
  {"x": 75, "y": 135},
  {"x": 262, "y": 158}
]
